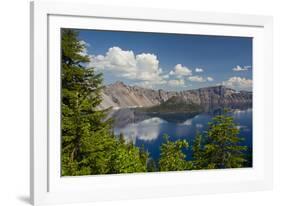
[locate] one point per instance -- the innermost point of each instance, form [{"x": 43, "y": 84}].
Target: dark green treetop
[
  {"x": 220, "y": 147},
  {"x": 172, "y": 157}
]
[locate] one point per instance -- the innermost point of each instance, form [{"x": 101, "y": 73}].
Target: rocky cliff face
[{"x": 120, "y": 95}]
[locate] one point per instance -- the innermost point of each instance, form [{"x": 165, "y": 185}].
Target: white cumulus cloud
[
  {"x": 124, "y": 63},
  {"x": 166, "y": 76},
  {"x": 143, "y": 69},
  {"x": 180, "y": 70},
  {"x": 196, "y": 79},
  {"x": 241, "y": 68},
  {"x": 176, "y": 82},
  {"x": 199, "y": 70},
  {"x": 84, "y": 52},
  {"x": 148, "y": 67},
  {"x": 239, "y": 83}
]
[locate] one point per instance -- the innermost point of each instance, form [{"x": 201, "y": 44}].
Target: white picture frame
[{"x": 47, "y": 186}]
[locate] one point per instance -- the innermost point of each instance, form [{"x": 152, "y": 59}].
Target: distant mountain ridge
[{"x": 120, "y": 95}]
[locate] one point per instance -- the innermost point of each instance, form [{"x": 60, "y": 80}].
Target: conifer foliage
[
  {"x": 172, "y": 155},
  {"x": 88, "y": 144},
  {"x": 220, "y": 147}
]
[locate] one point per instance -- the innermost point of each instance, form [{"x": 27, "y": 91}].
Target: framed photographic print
[{"x": 137, "y": 103}]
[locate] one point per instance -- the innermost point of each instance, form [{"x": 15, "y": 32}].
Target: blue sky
[{"x": 170, "y": 61}]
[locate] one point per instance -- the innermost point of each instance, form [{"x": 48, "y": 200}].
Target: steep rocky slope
[{"x": 120, "y": 95}]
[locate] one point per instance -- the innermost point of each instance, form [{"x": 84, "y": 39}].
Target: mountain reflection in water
[{"x": 148, "y": 129}]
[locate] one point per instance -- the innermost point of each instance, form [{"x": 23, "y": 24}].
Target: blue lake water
[{"x": 148, "y": 131}]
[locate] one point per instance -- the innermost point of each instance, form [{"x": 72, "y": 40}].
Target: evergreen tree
[
  {"x": 172, "y": 157},
  {"x": 197, "y": 151},
  {"x": 151, "y": 165},
  {"x": 88, "y": 144},
  {"x": 220, "y": 148},
  {"x": 128, "y": 159},
  {"x": 85, "y": 134}
]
